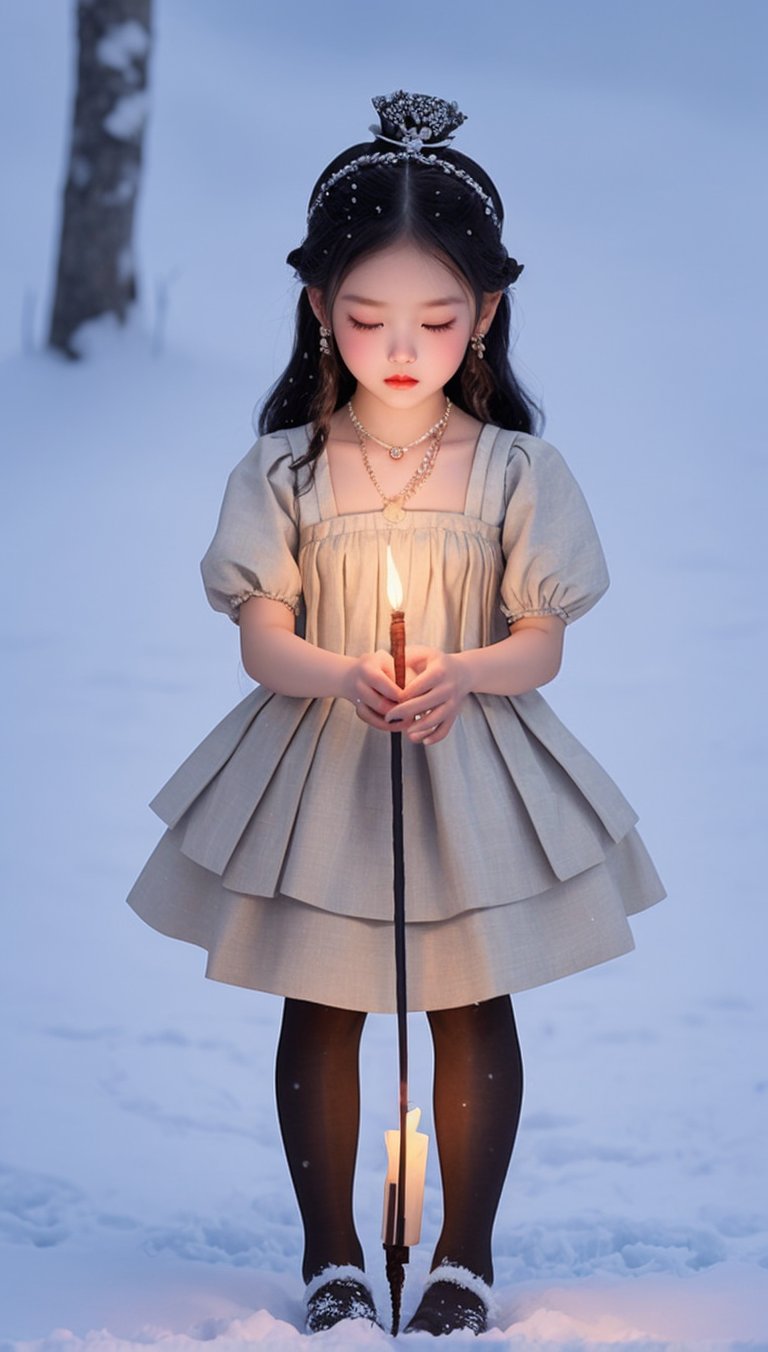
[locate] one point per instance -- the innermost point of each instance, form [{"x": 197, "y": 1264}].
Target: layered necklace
[
  {"x": 397, "y": 452},
  {"x": 393, "y": 504}
]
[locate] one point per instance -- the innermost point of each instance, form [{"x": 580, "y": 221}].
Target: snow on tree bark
[{"x": 96, "y": 273}]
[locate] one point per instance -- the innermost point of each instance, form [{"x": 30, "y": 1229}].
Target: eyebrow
[{"x": 426, "y": 305}]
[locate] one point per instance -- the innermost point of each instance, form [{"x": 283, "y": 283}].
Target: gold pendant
[
  {"x": 397, "y": 452},
  {"x": 393, "y": 512}
]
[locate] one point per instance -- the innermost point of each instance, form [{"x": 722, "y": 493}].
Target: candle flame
[{"x": 394, "y": 585}]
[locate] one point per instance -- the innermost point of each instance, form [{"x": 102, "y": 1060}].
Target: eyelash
[{"x": 431, "y": 328}]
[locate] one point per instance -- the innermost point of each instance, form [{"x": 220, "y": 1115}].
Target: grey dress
[{"x": 522, "y": 861}]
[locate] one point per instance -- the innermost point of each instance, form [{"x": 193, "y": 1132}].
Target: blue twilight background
[{"x": 142, "y": 1187}]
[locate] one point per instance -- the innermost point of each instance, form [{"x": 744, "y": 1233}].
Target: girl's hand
[
  {"x": 432, "y": 700},
  {"x": 370, "y": 685}
]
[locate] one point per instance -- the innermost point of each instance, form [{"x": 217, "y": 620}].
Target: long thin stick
[
  {"x": 397, "y": 1252},
  {"x": 400, "y": 978}
]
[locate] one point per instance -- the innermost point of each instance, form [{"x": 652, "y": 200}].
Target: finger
[
  {"x": 427, "y": 737},
  {"x": 418, "y": 652},
  {"x": 439, "y": 735},
  {"x": 383, "y": 686},
  {"x": 425, "y": 717},
  {"x": 422, "y": 680},
  {"x": 432, "y": 682},
  {"x": 374, "y": 704},
  {"x": 383, "y": 675},
  {"x": 435, "y": 713},
  {"x": 367, "y": 715},
  {"x": 429, "y": 724},
  {"x": 433, "y": 732},
  {"x": 410, "y": 708}
]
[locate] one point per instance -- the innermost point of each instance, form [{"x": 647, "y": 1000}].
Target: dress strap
[
  {"x": 487, "y": 477},
  {"x": 312, "y": 505}
]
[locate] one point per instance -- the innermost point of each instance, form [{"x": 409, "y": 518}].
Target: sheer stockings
[
  {"x": 477, "y": 1098},
  {"x": 318, "y": 1104},
  {"x": 478, "y": 1093}
]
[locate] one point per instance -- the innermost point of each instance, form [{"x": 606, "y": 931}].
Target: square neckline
[{"x": 327, "y": 497}]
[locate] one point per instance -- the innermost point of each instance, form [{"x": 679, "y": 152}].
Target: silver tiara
[{"x": 411, "y": 121}]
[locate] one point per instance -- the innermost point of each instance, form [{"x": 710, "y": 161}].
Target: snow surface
[{"x": 144, "y": 1199}]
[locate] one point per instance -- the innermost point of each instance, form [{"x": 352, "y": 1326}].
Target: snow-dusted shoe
[
  {"x": 339, "y": 1293},
  {"x": 454, "y": 1298}
]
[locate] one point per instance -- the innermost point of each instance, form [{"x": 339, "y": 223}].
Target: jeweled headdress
[
  {"x": 417, "y": 123},
  {"x": 412, "y": 119}
]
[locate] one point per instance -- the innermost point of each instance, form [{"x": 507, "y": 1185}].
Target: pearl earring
[
  {"x": 477, "y": 345},
  {"x": 325, "y": 347}
]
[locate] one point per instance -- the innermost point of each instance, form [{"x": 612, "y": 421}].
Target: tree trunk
[{"x": 96, "y": 273}]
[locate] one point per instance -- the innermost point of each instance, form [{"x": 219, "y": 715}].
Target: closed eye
[{"x": 431, "y": 328}]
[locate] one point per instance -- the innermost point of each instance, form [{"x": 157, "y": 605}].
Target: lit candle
[
  {"x": 397, "y": 623},
  {"x": 416, "y": 1156}
]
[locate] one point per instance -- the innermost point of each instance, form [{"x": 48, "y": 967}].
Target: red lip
[{"x": 400, "y": 380}]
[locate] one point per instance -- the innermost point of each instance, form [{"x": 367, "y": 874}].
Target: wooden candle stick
[{"x": 397, "y": 645}]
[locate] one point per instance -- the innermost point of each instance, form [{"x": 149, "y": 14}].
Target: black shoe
[
  {"x": 339, "y": 1293},
  {"x": 454, "y": 1298}
]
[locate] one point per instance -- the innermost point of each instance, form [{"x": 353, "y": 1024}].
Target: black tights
[{"x": 477, "y": 1097}]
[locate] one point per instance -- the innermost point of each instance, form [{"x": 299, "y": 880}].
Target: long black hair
[{"x": 367, "y": 209}]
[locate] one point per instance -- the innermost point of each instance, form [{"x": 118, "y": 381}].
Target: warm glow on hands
[
  {"x": 432, "y": 700},
  {"x": 369, "y": 684}
]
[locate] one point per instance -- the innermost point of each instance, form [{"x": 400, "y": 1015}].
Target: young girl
[{"x": 398, "y": 422}]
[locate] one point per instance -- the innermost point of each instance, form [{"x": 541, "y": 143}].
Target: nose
[{"x": 402, "y": 350}]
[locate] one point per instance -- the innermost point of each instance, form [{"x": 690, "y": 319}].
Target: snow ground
[{"x": 143, "y": 1195}]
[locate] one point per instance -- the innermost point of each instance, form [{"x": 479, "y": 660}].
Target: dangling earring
[
  {"x": 325, "y": 347},
  {"x": 477, "y": 379},
  {"x": 477, "y": 345}
]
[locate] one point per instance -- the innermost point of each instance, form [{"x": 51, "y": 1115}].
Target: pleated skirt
[{"x": 289, "y": 947}]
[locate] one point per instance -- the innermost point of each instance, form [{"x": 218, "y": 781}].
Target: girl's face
[{"x": 401, "y": 312}]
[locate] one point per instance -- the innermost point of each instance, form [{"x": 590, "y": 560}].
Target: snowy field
[{"x": 144, "y": 1199}]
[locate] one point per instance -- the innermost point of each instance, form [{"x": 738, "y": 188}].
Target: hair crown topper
[
  {"x": 416, "y": 123},
  {"x": 411, "y": 119}
]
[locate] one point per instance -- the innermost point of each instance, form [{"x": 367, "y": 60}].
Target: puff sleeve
[
  {"x": 553, "y": 559},
  {"x": 255, "y": 546}
]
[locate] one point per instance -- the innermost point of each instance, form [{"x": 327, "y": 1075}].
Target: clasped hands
[{"x": 426, "y": 709}]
